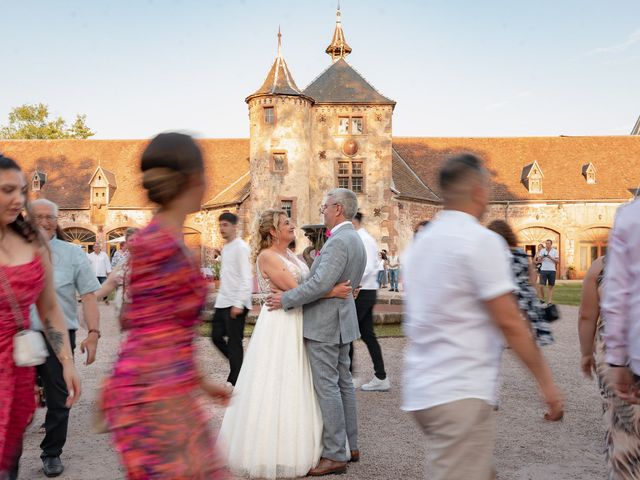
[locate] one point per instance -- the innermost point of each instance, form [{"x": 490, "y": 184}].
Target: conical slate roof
[
  {"x": 340, "y": 83},
  {"x": 279, "y": 80}
]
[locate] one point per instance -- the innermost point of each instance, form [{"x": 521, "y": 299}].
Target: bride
[{"x": 273, "y": 427}]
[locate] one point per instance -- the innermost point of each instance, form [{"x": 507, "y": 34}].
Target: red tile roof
[
  {"x": 616, "y": 159},
  {"x": 69, "y": 164}
]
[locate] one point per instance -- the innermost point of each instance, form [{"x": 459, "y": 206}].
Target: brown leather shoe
[
  {"x": 355, "y": 456},
  {"x": 327, "y": 466}
]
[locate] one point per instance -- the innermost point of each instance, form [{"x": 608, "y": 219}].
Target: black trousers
[
  {"x": 55, "y": 390},
  {"x": 364, "y": 306},
  {"x": 222, "y": 325}
]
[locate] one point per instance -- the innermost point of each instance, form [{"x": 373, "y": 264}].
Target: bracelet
[{"x": 93, "y": 330}]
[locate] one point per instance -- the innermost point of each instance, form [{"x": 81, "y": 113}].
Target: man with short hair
[
  {"x": 101, "y": 265},
  {"x": 621, "y": 305},
  {"x": 71, "y": 273},
  {"x": 365, "y": 301},
  {"x": 459, "y": 309},
  {"x": 233, "y": 301},
  {"x": 549, "y": 259}
]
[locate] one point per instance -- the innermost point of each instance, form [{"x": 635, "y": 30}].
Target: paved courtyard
[{"x": 392, "y": 447}]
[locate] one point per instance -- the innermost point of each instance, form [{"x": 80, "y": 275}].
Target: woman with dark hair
[
  {"x": 525, "y": 276},
  {"x": 152, "y": 401},
  {"x": 26, "y": 278}
]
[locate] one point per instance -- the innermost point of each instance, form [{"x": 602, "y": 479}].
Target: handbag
[
  {"x": 551, "y": 313},
  {"x": 29, "y": 348}
]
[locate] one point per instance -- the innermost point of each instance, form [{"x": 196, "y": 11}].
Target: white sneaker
[{"x": 377, "y": 385}]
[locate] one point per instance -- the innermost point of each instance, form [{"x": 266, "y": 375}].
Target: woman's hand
[
  {"x": 588, "y": 365},
  {"x": 72, "y": 380},
  {"x": 220, "y": 394},
  {"x": 341, "y": 290}
]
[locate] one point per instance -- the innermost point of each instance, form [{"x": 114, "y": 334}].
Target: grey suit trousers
[{"x": 334, "y": 388}]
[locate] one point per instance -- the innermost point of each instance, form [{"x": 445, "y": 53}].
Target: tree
[{"x": 30, "y": 122}]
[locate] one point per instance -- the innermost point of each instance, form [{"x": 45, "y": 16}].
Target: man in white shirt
[
  {"x": 233, "y": 301},
  {"x": 100, "y": 263},
  {"x": 549, "y": 259},
  {"x": 365, "y": 301},
  {"x": 459, "y": 309}
]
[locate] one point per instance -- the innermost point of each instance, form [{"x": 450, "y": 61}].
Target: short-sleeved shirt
[
  {"x": 71, "y": 273},
  {"x": 548, "y": 265},
  {"x": 454, "y": 348}
]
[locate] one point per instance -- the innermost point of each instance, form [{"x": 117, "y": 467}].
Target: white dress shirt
[
  {"x": 454, "y": 347},
  {"x": 370, "y": 276},
  {"x": 621, "y": 296},
  {"x": 236, "y": 279},
  {"x": 100, "y": 264}
]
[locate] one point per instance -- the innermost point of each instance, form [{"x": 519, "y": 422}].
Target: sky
[{"x": 455, "y": 68}]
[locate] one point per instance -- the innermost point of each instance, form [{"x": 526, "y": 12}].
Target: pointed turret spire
[
  {"x": 339, "y": 47},
  {"x": 636, "y": 128},
  {"x": 279, "y": 80}
]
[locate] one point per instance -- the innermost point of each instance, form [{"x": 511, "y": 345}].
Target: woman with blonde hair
[{"x": 273, "y": 426}]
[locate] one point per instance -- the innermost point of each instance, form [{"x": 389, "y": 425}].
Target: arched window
[{"x": 81, "y": 236}]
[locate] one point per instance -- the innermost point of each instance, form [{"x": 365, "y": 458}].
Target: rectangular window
[
  {"x": 356, "y": 126},
  {"x": 279, "y": 162},
  {"x": 351, "y": 175},
  {"x": 287, "y": 206},
  {"x": 343, "y": 126},
  {"x": 269, "y": 115},
  {"x": 356, "y": 184}
]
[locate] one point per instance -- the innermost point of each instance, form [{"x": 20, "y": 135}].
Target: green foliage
[{"x": 31, "y": 122}]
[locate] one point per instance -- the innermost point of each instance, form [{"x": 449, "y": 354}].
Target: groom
[{"x": 330, "y": 325}]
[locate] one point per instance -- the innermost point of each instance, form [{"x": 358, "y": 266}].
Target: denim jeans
[
  {"x": 393, "y": 279},
  {"x": 382, "y": 277}
]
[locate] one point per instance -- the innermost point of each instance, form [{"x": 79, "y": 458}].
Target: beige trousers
[{"x": 460, "y": 439}]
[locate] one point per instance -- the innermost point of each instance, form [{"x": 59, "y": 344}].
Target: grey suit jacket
[{"x": 331, "y": 320}]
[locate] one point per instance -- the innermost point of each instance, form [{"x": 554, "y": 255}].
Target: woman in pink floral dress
[{"x": 153, "y": 399}]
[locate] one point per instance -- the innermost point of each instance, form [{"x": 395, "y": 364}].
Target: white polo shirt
[{"x": 454, "y": 347}]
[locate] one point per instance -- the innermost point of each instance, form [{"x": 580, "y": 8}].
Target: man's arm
[
  {"x": 330, "y": 268},
  {"x": 86, "y": 284},
  {"x": 507, "y": 317},
  {"x": 615, "y": 298}
]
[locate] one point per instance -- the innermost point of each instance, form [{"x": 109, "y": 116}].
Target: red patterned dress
[
  {"x": 17, "y": 400},
  {"x": 152, "y": 400}
]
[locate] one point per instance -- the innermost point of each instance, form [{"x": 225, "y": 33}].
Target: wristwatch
[{"x": 93, "y": 330}]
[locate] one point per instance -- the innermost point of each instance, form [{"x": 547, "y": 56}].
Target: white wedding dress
[{"x": 273, "y": 426}]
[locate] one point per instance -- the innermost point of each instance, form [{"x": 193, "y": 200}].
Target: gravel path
[{"x": 392, "y": 446}]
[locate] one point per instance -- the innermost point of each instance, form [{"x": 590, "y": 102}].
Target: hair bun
[{"x": 163, "y": 184}]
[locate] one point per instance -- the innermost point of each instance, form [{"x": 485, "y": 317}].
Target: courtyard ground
[{"x": 527, "y": 448}]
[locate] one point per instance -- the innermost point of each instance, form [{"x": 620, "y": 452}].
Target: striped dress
[{"x": 152, "y": 401}]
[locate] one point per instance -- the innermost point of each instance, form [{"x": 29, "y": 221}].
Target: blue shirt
[{"x": 71, "y": 272}]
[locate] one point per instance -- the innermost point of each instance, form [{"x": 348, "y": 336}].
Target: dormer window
[
  {"x": 532, "y": 177},
  {"x": 38, "y": 180},
  {"x": 589, "y": 173}
]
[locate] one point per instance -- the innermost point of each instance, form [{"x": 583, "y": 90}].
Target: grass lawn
[{"x": 567, "y": 293}]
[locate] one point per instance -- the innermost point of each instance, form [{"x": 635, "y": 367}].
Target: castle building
[{"x": 337, "y": 132}]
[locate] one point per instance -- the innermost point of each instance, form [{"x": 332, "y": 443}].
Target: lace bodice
[{"x": 296, "y": 267}]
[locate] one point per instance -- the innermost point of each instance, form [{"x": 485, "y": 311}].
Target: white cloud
[{"x": 621, "y": 47}]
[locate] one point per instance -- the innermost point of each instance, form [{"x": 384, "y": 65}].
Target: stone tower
[
  {"x": 280, "y": 145},
  {"x": 351, "y": 139}
]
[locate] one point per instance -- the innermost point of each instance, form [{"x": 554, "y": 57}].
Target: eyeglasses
[
  {"x": 50, "y": 218},
  {"x": 323, "y": 208}
]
